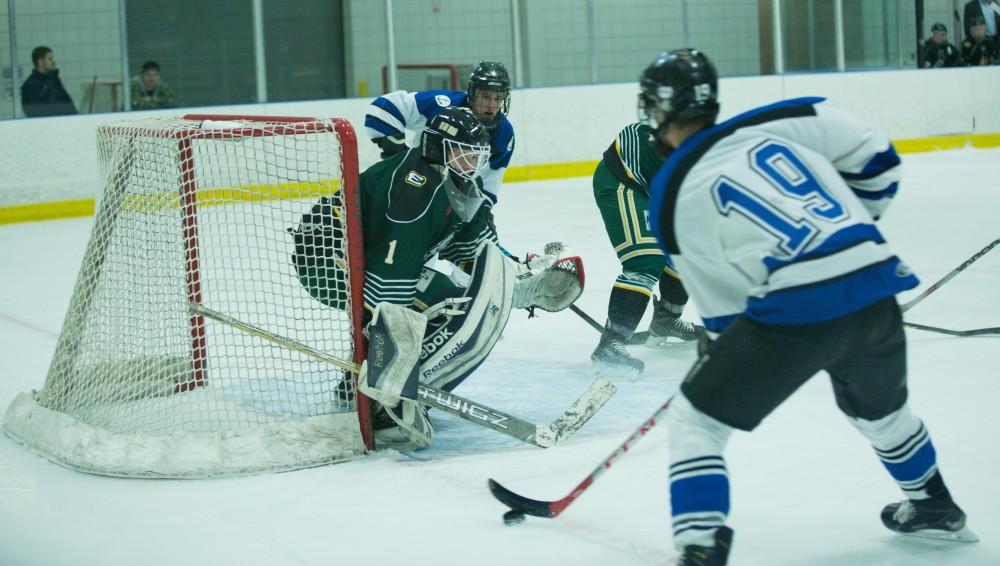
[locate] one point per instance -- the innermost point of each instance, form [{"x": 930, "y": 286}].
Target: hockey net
[{"x": 195, "y": 211}]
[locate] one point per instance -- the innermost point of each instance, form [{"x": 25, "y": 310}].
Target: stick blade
[
  {"x": 520, "y": 503},
  {"x": 591, "y": 401}
]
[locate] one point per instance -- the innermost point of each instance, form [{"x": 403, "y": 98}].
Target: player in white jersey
[
  {"x": 391, "y": 115},
  {"x": 771, "y": 216}
]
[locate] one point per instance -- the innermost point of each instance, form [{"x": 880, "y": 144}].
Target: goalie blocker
[{"x": 459, "y": 332}]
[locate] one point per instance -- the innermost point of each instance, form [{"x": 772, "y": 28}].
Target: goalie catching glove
[{"x": 551, "y": 281}]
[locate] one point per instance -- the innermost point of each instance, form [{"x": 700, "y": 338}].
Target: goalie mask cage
[{"x": 201, "y": 210}]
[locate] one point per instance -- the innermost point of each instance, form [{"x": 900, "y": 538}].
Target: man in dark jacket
[
  {"x": 938, "y": 52},
  {"x": 43, "y": 94},
  {"x": 979, "y": 48}
]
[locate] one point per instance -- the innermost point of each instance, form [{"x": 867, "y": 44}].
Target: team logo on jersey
[
  {"x": 510, "y": 145},
  {"x": 442, "y": 101},
  {"x": 415, "y": 179}
]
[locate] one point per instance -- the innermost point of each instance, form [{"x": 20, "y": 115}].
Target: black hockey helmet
[
  {"x": 680, "y": 85},
  {"x": 456, "y": 139},
  {"x": 490, "y": 76},
  {"x": 455, "y": 132}
]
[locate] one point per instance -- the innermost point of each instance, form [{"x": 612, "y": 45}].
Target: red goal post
[{"x": 197, "y": 212}]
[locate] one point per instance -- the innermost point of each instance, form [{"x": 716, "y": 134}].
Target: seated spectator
[
  {"x": 149, "y": 92},
  {"x": 979, "y": 48},
  {"x": 938, "y": 52},
  {"x": 42, "y": 93}
]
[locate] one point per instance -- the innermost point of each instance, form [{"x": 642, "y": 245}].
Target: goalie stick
[
  {"x": 910, "y": 304},
  {"x": 552, "y": 509},
  {"x": 994, "y": 331},
  {"x": 543, "y": 436}
]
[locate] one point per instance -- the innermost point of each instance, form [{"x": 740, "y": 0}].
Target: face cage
[
  {"x": 504, "y": 106},
  {"x": 466, "y": 160}
]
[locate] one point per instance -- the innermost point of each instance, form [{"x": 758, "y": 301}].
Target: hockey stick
[
  {"x": 636, "y": 339},
  {"x": 587, "y": 318},
  {"x": 995, "y": 330},
  {"x": 552, "y": 509},
  {"x": 599, "y": 392},
  {"x": 910, "y": 304}
]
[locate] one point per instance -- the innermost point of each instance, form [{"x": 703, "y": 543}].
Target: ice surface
[{"x": 806, "y": 487}]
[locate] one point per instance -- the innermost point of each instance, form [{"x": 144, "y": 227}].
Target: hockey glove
[
  {"x": 391, "y": 145},
  {"x": 551, "y": 281}
]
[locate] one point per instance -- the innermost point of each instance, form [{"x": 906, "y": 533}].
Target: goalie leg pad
[
  {"x": 389, "y": 373},
  {"x": 454, "y": 349}
]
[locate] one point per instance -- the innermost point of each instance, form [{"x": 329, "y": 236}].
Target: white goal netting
[{"x": 204, "y": 212}]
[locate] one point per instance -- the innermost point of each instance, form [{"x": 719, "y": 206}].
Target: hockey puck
[{"x": 512, "y": 517}]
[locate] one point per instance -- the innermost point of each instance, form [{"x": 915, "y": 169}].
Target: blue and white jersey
[
  {"x": 396, "y": 112},
  {"x": 771, "y": 214}
]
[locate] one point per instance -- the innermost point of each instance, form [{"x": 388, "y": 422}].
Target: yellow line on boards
[
  {"x": 46, "y": 210},
  {"x": 10, "y": 214}
]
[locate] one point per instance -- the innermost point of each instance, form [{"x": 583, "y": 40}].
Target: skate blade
[
  {"x": 964, "y": 534},
  {"x": 668, "y": 342}
]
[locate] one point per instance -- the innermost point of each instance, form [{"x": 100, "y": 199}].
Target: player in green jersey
[
  {"x": 621, "y": 189},
  {"x": 424, "y": 219}
]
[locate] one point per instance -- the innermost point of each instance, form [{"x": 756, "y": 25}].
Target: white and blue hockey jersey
[
  {"x": 396, "y": 112},
  {"x": 770, "y": 215}
]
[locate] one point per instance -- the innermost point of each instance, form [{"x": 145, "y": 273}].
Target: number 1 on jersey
[
  {"x": 392, "y": 251},
  {"x": 793, "y": 234}
]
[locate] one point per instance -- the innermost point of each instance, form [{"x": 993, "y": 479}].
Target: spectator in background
[
  {"x": 149, "y": 92},
  {"x": 981, "y": 9},
  {"x": 979, "y": 48},
  {"x": 938, "y": 52},
  {"x": 42, "y": 93}
]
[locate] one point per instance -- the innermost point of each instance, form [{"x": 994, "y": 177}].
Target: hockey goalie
[{"x": 438, "y": 289}]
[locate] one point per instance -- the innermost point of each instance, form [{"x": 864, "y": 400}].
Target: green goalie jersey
[
  {"x": 632, "y": 158},
  {"x": 407, "y": 218}
]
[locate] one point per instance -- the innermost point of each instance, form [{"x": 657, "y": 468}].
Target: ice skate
[
  {"x": 611, "y": 359},
  {"x": 667, "y": 328},
  {"x": 935, "y": 518},
  {"x": 716, "y": 555},
  {"x": 672, "y": 331}
]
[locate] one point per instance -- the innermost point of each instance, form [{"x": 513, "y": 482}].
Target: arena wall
[{"x": 50, "y": 164}]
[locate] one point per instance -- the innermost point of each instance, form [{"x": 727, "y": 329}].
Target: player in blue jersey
[
  {"x": 771, "y": 216},
  {"x": 391, "y": 115}
]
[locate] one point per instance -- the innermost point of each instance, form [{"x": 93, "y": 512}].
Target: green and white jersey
[
  {"x": 633, "y": 158},
  {"x": 407, "y": 219}
]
